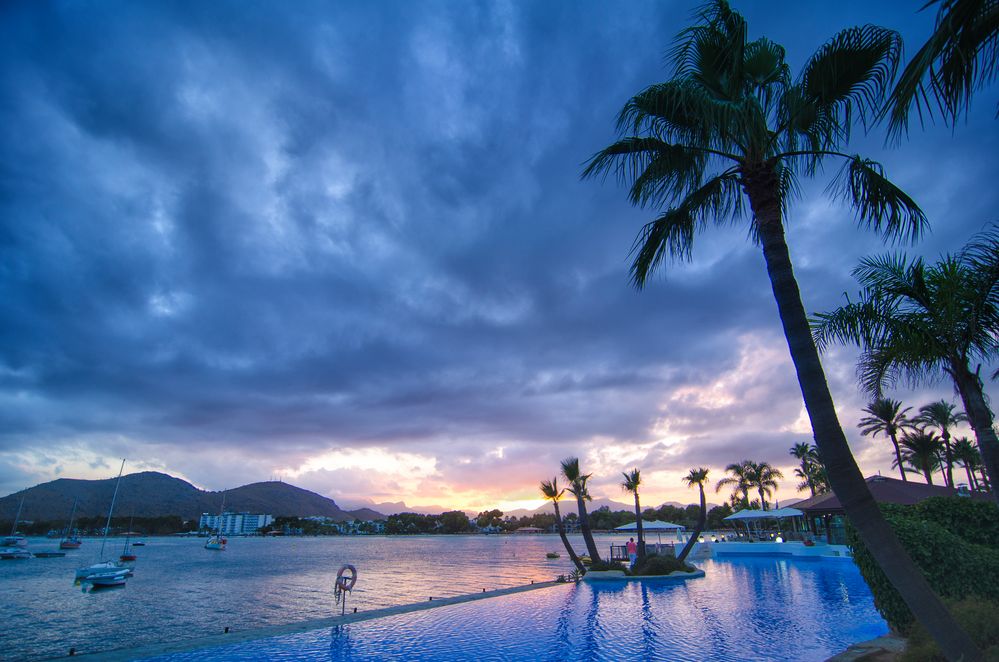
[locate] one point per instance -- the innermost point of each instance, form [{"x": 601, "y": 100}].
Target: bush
[
  {"x": 943, "y": 539},
  {"x": 659, "y": 565},
  {"x": 979, "y": 618},
  {"x": 606, "y": 565}
]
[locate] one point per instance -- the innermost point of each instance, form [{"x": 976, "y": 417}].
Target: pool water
[{"x": 743, "y": 609}]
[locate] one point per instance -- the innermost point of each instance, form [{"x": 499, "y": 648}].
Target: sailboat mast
[
  {"x": 72, "y": 514},
  {"x": 111, "y": 511},
  {"x": 17, "y": 517}
]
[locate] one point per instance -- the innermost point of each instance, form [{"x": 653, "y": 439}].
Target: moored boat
[
  {"x": 106, "y": 573},
  {"x": 70, "y": 540},
  {"x": 217, "y": 541}
]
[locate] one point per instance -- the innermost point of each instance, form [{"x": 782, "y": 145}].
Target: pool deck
[{"x": 235, "y": 637}]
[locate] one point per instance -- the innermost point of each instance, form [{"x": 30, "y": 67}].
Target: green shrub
[
  {"x": 947, "y": 550},
  {"x": 979, "y": 618},
  {"x": 606, "y": 565},
  {"x": 659, "y": 565}
]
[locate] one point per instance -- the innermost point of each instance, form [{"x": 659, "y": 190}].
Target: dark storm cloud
[{"x": 243, "y": 228}]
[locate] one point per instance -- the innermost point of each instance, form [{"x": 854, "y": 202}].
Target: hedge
[{"x": 951, "y": 539}]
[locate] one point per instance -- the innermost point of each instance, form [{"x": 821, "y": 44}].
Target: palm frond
[
  {"x": 671, "y": 236},
  {"x": 879, "y": 203},
  {"x": 849, "y": 74}
]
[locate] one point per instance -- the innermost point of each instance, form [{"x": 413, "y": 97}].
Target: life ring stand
[{"x": 345, "y": 581}]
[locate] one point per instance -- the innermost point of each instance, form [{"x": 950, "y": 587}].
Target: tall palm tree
[
  {"x": 959, "y": 58},
  {"x": 921, "y": 452},
  {"x": 577, "y": 487},
  {"x": 808, "y": 455},
  {"x": 550, "y": 490},
  {"x": 632, "y": 480},
  {"x": 696, "y": 477},
  {"x": 733, "y": 123},
  {"x": 966, "y": 453},
  {"x": 918, "y": 322},
  {"x": 942, "y": 416},
  {"x": 764, "y": 476},
  {"x": 739, "y": 480},
  {"x": 886, "y": 416}
]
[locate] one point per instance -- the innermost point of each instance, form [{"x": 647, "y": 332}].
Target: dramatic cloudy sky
[{"x": 347, "y": 244}]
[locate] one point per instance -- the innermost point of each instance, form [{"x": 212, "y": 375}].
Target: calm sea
[{"x": 181, "y": 590}]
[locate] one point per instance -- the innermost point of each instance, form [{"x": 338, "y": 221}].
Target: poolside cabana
[
  {"x": 651, "y": 526},
  {"x": 749, "y": 515}
]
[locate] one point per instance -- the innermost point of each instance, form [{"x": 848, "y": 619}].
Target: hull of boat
[
  {"x": 14, "y": 554},
  {"x": 127, "y": 557},
  {"x": 70, "y": 544},
  {"x": 14, "y": 541},
  {"x": 108, "y": 567},
  {"x": 49, "y": 555},
  {"x": 216, "y": 544}
]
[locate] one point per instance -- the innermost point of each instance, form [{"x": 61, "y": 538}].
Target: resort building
[
  {"x": 824, "y": 514},
  {"x": 234, "y": 524}
]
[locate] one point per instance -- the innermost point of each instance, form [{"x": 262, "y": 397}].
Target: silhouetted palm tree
[
  {"x": 921, "y": 452},
  {"x": 942, "y": 416},
  {"x": 696, "y": 477},
  {"x": 958, "y": 59},
  {"x": 632, "y": 480},
  {"x": 920, "y": 322},
  {"x": 886, "y": 416},
  {"x": 550, "y": 490},
  {"x": 739, "y": 480},
  {"x": 763, "y": 476},
  {"x": 732, "y": 125},
  {"x": 967, "y": 455},
  {"x": 577, "y": 487},
  {"x": 808, "y": 456}
]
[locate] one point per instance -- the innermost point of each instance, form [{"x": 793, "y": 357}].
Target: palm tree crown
[
  {"x": 921, "y": 452},
  {"x": 577, "y": 487},
  {"x": 918, "y": 321},
  {"x": 941, "y": 415},
  {"x": 886, "y": 416},
  {"x": 631, "y": 483},
  {"x": 739, "y": 480}
]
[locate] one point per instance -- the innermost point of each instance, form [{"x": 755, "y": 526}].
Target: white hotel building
[{"x": 234, "y": 524}]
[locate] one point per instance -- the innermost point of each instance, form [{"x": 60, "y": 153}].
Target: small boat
[
  {"x": 217, "y": 541},
  {"x": 138, "y": 543},
  {"x": 126, "y": 553},
  {"x": 15, "y": 547},
  {"x": 70, "y": 541},
  {"x": 553, "y": 555},
  {"x": 14, "y": 554},
  {"x": 49, "y": 555},
  {"x": 106, "y": 573}
]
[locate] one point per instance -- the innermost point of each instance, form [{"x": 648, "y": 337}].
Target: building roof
[{"x": 884, "y": 490}]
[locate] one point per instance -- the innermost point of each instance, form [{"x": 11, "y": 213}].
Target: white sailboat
[
  {"x": 217, "y": 541},
  {"x": 106, "y": 573},
  {"x": 71, "y": 540},
  {"x": 15, "y": 547}
]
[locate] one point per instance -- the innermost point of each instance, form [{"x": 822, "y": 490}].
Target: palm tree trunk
[
  {"x": 980, "y": 417},
  {"x": 565, "y": 540},
  {"x": 701, "y": 519},
  {"x": 638, "y": 525},
  {"x": 927, "y": 474},
  {"x": 584, "y": 528},
  {"x": 763, "y": 501},
  {"x": 972, "y": 484},
  {"x": 845, "y": 478},
  {"x": 949, "y": 459},
  {"x": 898, "y": 455}
]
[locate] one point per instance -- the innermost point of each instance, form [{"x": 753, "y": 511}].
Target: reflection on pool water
[{"x": 744, "y": 609}]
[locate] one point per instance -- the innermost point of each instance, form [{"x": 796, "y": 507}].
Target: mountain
[
  {"x": 154, "y": 494},
  {"x": 568, "y": 505},
  {"x": 395, "y": 507}
]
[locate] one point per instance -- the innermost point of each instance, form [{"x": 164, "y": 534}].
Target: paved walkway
[{"x": 235, "y": 637}]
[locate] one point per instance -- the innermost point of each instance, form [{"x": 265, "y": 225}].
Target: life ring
[{"x": 345, "y": 582}]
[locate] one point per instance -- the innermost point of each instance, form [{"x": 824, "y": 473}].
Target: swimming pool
[{"x": 743, "y": 609}]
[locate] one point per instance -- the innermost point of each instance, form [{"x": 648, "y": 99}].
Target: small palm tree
[
  {"x": 764, "y": 478},
  {"x": 696, "y": 477},
  {"x": 921, "y": 452},
  {"x": 918, "y": 322},
  {"x": 941, "y": 415},
  {"x": 959, "y": 58},
  {"x": 733, "y": 127},
  {"x": 886, "y": 416},
  {"x": 550, "y": 490},
  {"x": 577, "y": 487},
  {"x": 967, "y": 455},
  {"x": 808, "y": 455},
  {"x": 632, "y": 480},
  {"x": 739, "y": 480}
]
